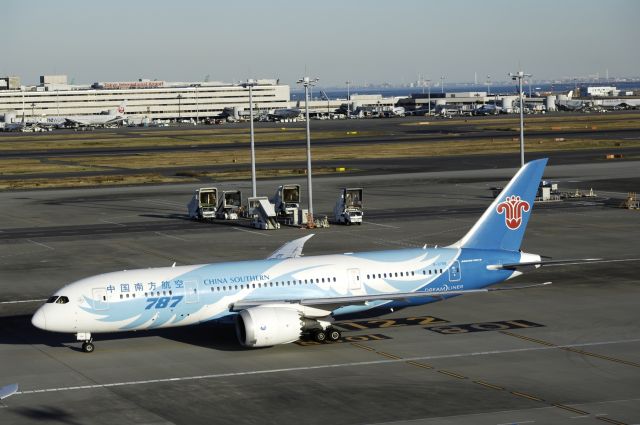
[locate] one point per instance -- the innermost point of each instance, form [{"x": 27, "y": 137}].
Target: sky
[{"x": 369, "y": 41}]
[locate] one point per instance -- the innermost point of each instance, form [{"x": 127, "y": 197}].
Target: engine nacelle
[{"x": 267, "y": 326}]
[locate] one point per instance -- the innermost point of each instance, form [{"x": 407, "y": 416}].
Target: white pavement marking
[
  {"x": 381, "y": 225},
  {"x": 22, "y": 301},
  {"x": 251, "y": 231},
  {"x": 113, "y": 222},
  {"x": 324, "y": 366},
  {"x": 171, "y": 236},
  {"x": 41, "y": 244}
]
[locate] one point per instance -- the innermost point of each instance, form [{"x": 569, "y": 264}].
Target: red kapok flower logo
[{"x": 512, "y": 207}]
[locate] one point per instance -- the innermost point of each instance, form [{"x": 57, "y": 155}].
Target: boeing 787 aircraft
[{"x": 278, "y": 299}]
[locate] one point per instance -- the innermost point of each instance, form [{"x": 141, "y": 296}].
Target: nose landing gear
[{"x": 87, "y": 345}]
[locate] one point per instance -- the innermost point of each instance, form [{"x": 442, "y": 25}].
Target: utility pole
[
  {"x": 429, "y": 88},
  {"x": 348, "y": 99},
  {"x": 307, "y": 83},
  {"x": 252, "y": 83},
  {"x": 519, "y": 76}
]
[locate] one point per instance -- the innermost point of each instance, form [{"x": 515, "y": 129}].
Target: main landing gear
[
  {"x": 327, "y": 335},
  {"x": 87, "y": 345}
]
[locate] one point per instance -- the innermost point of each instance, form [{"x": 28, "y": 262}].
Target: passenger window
[
  {"x": 120, "y": 296},
  {"x": 334, "y": 279},
  {"x": 104, "y": 298}
]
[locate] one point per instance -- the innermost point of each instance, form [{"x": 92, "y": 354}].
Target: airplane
[
  {"x": 284, "y": 113},
  {"x": 487, "y": 109},
  {"x": 112, "y": 117},
  {"x": 286, "y": 296}
]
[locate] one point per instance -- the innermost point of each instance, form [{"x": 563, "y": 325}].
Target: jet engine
[{"x": 267, "y": 326}]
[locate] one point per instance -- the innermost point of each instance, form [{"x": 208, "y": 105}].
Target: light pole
[
  {"x": 348, "y": 99},
  {"x": 488, "y": 85},
  {"x": 179, "y": 107},
  {"x": 429, "y": 89},
  {"x": 197, "y": 105},
  {"x": 308, "y": 82},
  {"x": 251, "y": 83},
  {"x": 442, "y": 84},
  {"x": 519, "y": 76},
  {"x": 33, "y": 115}
]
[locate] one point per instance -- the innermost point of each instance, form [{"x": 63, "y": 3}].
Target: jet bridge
[
  {"x": 230, "y": 204},
  {"x": 262, "y": 213},
  {"x": 204, "y": 204}
]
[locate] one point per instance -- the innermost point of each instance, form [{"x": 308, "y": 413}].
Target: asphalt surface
[
  {"x": 395, "y": 130},
  {"x": 555, "y": 355}
]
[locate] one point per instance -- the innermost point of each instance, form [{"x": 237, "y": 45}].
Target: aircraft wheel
[
  {"x": 88, "y": 347},
  {"x": 333, "y": 335},
  {"x": 319, "y": 336}
]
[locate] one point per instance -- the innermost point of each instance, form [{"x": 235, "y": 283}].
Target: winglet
[
  {"x": 8, "y": 390},
  {"x": 291, "y": 249}
]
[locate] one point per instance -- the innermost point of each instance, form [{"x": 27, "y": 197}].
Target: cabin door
[
  {"x": 100, "y": 299},
  {"x": 353, "y": 278},
  {"x": 455, "y": 274},
  {"x": 191, "y": 291}
]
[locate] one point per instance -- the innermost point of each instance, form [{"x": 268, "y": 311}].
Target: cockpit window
[
  {"x": 52, "y": 299},
  {"x": 62, "y": 300}
]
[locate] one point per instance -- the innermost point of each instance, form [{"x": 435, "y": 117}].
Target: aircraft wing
[
  {"x": 542, "y": 263},
  {"x": 8, "y": 390},
  {"x": 291, "y": 249},
  {"x": 336, "y": 302}
]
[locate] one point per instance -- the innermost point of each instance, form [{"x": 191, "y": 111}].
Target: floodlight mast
[
  {"x": 519, "y": 76},
  {"x": 308, "y": 82},
  {"x": 252, "y": 83}
]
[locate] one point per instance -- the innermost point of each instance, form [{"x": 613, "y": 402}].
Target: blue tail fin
[{"x": 503, "y": 224}]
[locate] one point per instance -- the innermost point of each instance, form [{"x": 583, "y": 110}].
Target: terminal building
[{"x": 148, "y": 99}]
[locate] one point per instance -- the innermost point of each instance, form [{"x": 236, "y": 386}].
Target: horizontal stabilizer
[{"x": 542, "y": 263}]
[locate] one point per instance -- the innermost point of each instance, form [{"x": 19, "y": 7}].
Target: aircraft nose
[{"x": 39, "y": 320}]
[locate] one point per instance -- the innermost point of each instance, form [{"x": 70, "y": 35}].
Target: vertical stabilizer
[{"x": 503, "y": 224}]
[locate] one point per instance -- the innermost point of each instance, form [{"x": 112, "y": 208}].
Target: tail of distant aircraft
[
  {"x": 503, "y": 224},
  {"x": 120, "y": 110}
]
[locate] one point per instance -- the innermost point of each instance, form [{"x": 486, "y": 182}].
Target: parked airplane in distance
[
  {"x": 278, "y": 299},
  {"x": 111, "y": 117},
  {"x": 284, "y": 114}
]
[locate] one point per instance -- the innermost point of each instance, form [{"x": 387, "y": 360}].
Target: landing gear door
[
  {"x": 353, "y": 277},
  {"x": 455, "y": 274},
  {"x": 100, "y": 299},
  {"x": 191, "y": 291}
]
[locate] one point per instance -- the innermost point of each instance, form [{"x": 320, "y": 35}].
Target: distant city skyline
[{"x": 369, "y": 42}]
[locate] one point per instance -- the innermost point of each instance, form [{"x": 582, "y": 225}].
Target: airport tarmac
[{"x": 567, "y": 353}]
